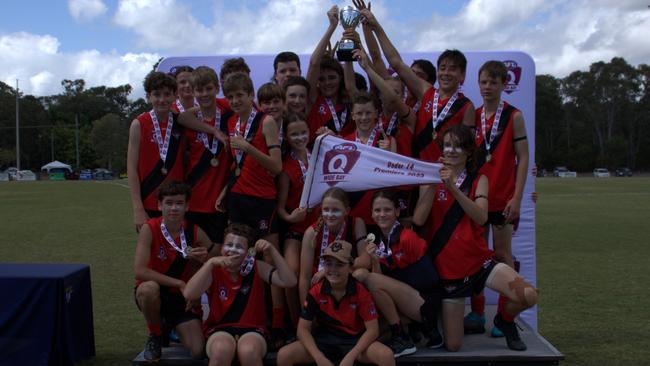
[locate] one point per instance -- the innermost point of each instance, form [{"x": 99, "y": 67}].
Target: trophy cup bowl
[{"x": 349, "y": 18}]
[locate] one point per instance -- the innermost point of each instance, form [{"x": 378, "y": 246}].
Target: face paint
[
  {"x": 299, "y": 138},
  {"x": 331, "y": 214},
  {"x": 451, "y": 149},
  {"x": 233, "y": 249}
]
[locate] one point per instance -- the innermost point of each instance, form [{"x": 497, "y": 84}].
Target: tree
[{"x": 110, "y": 136}]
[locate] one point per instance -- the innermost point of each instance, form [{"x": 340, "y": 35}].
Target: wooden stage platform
[{"x": 479, "y": 349}]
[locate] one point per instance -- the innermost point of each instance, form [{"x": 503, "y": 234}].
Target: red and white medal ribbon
[
  {"x": 204, "y": 137},
  {"x": 383, "y": 250},
  {"x": 325, "y": 243},
  {"x": 170, "y": 240},
  {"x": 303, "y": 166},
  {"x": 247, "y": 265},
  {"x": 180, "y": 107},
  {"x": 239, "y": 154},
  {"x": 391, "y": 124},
  {"x": 495, "y": 126},
  {"x": 439, "y": 118},
  {"x": 461, "y": 178},
  {"x": 163, "y": 142},
  {"x": 416, "y": 107},
  {"x": 371, "y": 138},
  {"x": 337, "y": 123}
]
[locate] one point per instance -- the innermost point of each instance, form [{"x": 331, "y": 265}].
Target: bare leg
[
  {"x": 377, "y": 353},
  {"x": 191, "y": 337},
  {"x": 221, "y": 348},
  {"x": 452, "y": 323},
  {"x": 148, "y": 296},
  {"x": 292, "y": 256},
  {"x": 251, "y": 348},
  {"x": 294, "y": 353}
]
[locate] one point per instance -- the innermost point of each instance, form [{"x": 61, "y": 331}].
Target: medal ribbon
[
  {"x": 325, "y": 243},
  {"x": 170, "y": 240},
  {"x": 303, "y": 166},
  {"x": 163, "y": 145},
  {"x": 383, "y": 250},
  {"x": 204, "y": 137},
  {"x": 416, "y": 107},
  {"x": 495, "y": 126},
  {"x": 437, "y": 119},
  {"x": 371, "y": 138},
  {"x": 461, "y": 178},
  {"x": 247, "y": 265},
  {"x": 180, "y": 107},
  {"x": 239, "y": 154},
  {"x": 391, "y": 124},
  {"x": 335, "y": 117}
]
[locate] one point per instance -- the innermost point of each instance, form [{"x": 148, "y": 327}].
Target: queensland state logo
[
  {"x": 514, "y": 76},
  {"x": 338, "y": 162}
]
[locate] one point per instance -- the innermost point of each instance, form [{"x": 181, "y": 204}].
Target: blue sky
[{"x": 111, "y": 42}]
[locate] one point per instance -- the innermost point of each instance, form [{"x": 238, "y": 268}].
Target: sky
[{"x": 115, "y": 42}]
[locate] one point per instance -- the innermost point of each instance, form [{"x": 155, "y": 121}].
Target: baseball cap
[{"x": 340, "y": 250}]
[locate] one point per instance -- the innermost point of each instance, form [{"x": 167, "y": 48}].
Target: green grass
[{"x": 593, "y": 241}]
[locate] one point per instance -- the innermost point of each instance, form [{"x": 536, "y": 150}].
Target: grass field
[{"x": 593, "y": 243}]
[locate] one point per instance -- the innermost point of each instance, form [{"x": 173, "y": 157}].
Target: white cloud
[
  {"x": 86, "y": 10},
  {"x": 39, "y": 65}
]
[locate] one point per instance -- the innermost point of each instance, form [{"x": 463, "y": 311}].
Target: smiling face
[
  {"x": 173, "y": 208},
  {"x": 329, "y": 82},
  {"x": 365, "y": 116},
  {"x": 286, "y": 69},
  {"x": 184, "y": 86},
  {"x": 274, "y": 107},
  {"x": 296, "y": 99},
  {"x": 450, "y": 75},
  {"x": 206, "y": 95},
  {"x": 456, "y": 156},
  {"x": 333, "y": 212},
  {"x": 298, "y": 135},
  {"x": 161, "y": 100},
  {"x": 336, "y": 271},
  {"x": 384, "y": 213},
  {"x": 240, "y": 101}
]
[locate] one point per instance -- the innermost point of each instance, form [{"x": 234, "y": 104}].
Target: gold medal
[
  {"x": 214, "y": 162},
  {"x": 434, "y": 134},
  {"x": 188, "y": 250},
  {"x": 488, "y": 157},
  {"x": 163, "y": 171},
  {"x": 370, "y": 238},
  {"x": 237, "y": 171},
  {"x": 251, "y": 252}
]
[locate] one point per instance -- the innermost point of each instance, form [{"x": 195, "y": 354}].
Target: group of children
[{"x": 216, "y": 183}]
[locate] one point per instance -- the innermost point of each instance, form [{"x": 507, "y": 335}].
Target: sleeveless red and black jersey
[
  {"x": 254, "y": 180},
  {"x": 401, "y": 133},
  {"x": 501, "y": 170},
  {"x": 163, "y": 258},
  {"x": 408, "y": 249},
  {"x": 320, "y": 115},
  {"x": 207, "y": 181},
  {"x": 347, "y": 235},
  {"x": 149, "y": 162},
  {"x": 291, "y": 168},
  {"x": 236, "y": 303},
  {"x": 424, "y": 146},
  {"x": 347, "y": 316},
  {"x": 466, "y": 250}
]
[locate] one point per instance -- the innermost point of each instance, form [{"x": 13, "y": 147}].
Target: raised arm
[
  {"x": 313, "y": 71},
  {"x": 371, "y": 42},
  {"x": 280, "y": 275}
]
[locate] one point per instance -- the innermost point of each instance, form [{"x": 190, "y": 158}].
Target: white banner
[{"x": 353, "y": 166}]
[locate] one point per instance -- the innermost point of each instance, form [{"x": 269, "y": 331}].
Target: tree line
[{"x": 594, "y": 118}]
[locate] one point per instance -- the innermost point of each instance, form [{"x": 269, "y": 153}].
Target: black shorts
[
  {"x": 496, "y": 218},
  {"x": 258, "y": 213},
  {"x": 421, "y": 275},
  {"x": 334, "y": 347},
  {"x": 238, "y": 332},
  {"x": 172, "y": 308},
  {"x": 213, "y": 224},
  {"x": 294, "y": 235},
  {"x": 471, "y": 285}
]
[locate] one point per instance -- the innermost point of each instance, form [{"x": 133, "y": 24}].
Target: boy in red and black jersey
[
  {"x": 168, "y": 252},
  {"x": 503, "y": 159},
  {"x": 210, "y": 161},
  {"x": 155, "y": 148},
  {"x": 236, "y": 324},
  {"x": 346, "y": 318},
  {"x": 185, "y": 100}
]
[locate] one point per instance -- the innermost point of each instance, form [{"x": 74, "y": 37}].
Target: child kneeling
[
  {"x": 237, "y": 321},
  {"x": 347, "y": 326}
]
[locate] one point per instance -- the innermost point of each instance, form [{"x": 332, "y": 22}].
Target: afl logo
[
  {"x": 223, "y": 293},
  {"x": 339, "y": 161},
  {"x": 514, "y": 76},
  {"x": 442, "y": 195}
]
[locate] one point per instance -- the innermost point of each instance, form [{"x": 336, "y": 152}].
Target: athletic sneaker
[
  {"x": 401, "y": 346},
  {"x": 509, "y": 330},
  {"x": 435, "y": 338},
  {"x": 415, "y": 332},
  {"x": 474, "y": 323},
  {"x": 152, "y": 349},
  {"x": 496, "y": 332}
]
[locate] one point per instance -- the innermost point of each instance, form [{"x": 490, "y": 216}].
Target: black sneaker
[
  {"x": 152, "y": 349},
  {"x": 474, "y": 323},
  {"x": 415, "y": 332},
  {"x": 401, "y": 346},
  {"x": 511, "y": 333},
  {"x": 435, "y": 338}
]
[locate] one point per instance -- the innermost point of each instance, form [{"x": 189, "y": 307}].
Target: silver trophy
[{"x": 350, "y": 18}]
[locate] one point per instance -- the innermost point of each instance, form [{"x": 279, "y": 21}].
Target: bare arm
[
  {"x": 477, "y": 210},
  {"x": 313, "y": 71},
  {"x": 188, "y": 119},
  {"x": 303, "y": 332},
  {"x": 306, "y": 263},
  {"x": 363, "y": 259},
  {"x": 349, "y": 79},
  {"x": 469, "y": 118},
  {"x": 144, "y": 273},
  {"x": 423, "y": 206},
  {"x": 513, "y": 207},
  {"x": 366, "y": 339},
  {"x": 133, "y": 178},
  {"x": 283, "y": 276},
  {"x": 271, "y": 162},
  {"x": 202, "y": 279}
]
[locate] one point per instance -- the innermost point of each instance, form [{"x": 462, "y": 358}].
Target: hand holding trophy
[{"x": 349, "y": 18}]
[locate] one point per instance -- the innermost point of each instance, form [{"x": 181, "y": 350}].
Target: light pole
[{"x": 17, "y": 127}]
